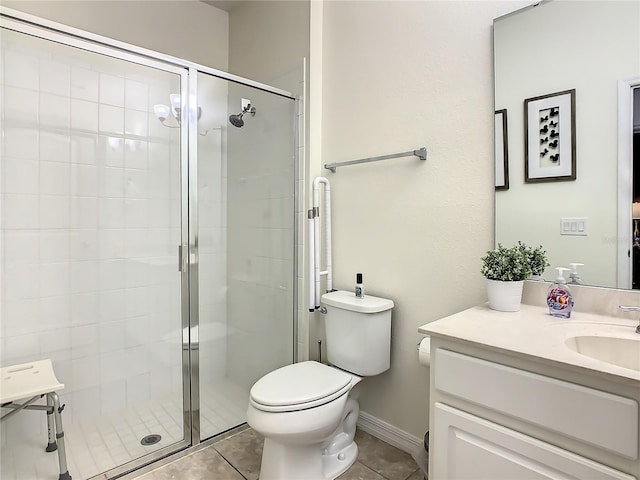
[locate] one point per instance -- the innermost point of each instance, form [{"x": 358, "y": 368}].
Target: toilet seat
[{"x": 299, "y": 386}]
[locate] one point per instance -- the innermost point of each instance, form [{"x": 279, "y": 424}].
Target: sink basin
[{"x": 623, "y": 352}]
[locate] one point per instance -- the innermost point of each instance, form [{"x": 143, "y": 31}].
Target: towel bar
[{"x": 420, "y": 153}]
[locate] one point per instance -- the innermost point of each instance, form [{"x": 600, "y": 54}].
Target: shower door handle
[
  {"x": 183, "y": 257},
  {"x": 186, "y": 257}
]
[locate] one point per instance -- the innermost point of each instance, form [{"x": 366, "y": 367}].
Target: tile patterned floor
[{"x": 238, "y": 458}]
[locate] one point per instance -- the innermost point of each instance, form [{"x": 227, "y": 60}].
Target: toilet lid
[{"x": 297, "y": 386}]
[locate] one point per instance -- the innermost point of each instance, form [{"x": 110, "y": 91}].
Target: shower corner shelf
[{"x": 420, "y": 153}]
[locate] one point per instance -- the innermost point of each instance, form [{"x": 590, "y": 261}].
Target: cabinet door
[{"x": 468, "y": 447}]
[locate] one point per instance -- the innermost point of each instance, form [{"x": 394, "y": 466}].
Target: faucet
[{"x": 631, "y": 309}]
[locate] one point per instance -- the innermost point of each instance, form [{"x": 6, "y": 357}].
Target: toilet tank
[{"x": 358, "y": 332}]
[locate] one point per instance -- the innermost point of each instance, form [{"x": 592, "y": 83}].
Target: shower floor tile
[{"x": 103, "y": 443}]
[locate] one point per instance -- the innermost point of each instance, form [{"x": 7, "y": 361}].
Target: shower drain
[{"x": 151, "y": 439}]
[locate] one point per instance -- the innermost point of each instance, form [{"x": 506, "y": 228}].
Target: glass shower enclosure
[{"x": 146, "y": 245}]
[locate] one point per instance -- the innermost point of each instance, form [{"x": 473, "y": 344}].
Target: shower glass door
[
  {"x": 92, "y": 213},
  {"x": 245, "y": 224}
]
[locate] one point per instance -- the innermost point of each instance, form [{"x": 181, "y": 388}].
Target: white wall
[
  {"x": 186, "y": 29},
  {"x": 603, "y": 47},
  {"x": 397, "y": 76},
  {"x": 269, "y": 39}
]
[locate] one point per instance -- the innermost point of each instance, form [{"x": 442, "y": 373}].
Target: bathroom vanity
[{"x": 526, "y": 395}]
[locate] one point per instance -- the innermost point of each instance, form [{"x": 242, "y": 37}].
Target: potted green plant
[{"x": 506, "y": 269}]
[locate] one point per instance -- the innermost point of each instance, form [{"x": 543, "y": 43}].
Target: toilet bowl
[{"x": 307, "y": 411}]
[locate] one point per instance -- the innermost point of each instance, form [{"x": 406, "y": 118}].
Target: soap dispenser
[
  {"x": 559, "y": 298},
  {"x": 574, "y": 276}
]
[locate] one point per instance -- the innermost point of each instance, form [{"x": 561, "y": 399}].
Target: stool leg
[
  {"x": 51, "y": 446},
  {"x": 62, "y": 457}
]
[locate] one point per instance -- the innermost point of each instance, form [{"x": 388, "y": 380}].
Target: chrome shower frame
[{"x": 45, "y": 29}]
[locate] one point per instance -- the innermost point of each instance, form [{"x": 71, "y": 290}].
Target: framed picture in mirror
[
  {"x": 502, "y": 152},
  {"x": 550, "y": 137}
]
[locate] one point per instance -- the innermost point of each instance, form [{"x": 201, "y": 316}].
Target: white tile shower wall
[{"x": 90, "y": 224}]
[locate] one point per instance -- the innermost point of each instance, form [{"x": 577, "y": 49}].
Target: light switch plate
[{"x": 574, "y": 226}]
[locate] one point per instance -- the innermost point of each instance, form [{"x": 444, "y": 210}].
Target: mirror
[{"x": 540, "y": 53}]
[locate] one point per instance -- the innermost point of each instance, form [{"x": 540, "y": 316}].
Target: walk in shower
[{"x": 147, "y": 245}]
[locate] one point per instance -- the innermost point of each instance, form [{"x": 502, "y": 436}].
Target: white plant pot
[{"x": 504, "y": 296}]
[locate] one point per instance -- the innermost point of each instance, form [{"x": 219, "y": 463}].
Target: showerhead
[{"x": 237, "y": 121}]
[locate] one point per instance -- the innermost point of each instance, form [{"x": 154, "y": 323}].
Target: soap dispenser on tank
[{"x": 559, "y": 298}]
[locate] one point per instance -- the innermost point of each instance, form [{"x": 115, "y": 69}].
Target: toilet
[{"x": 307, "y": 411}]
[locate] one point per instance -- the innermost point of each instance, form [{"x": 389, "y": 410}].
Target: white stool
[{"x": 32, "y": 381}]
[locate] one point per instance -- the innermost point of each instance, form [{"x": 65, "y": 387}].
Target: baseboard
[{"x": 388, "y": 433}]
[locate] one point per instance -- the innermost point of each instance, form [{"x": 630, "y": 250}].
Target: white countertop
[{"x": 534, "y": 333}]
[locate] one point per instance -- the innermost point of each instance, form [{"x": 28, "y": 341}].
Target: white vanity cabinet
[
  {"x": 498, "y": 413},
  {"x": 470, "y": 447}
]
